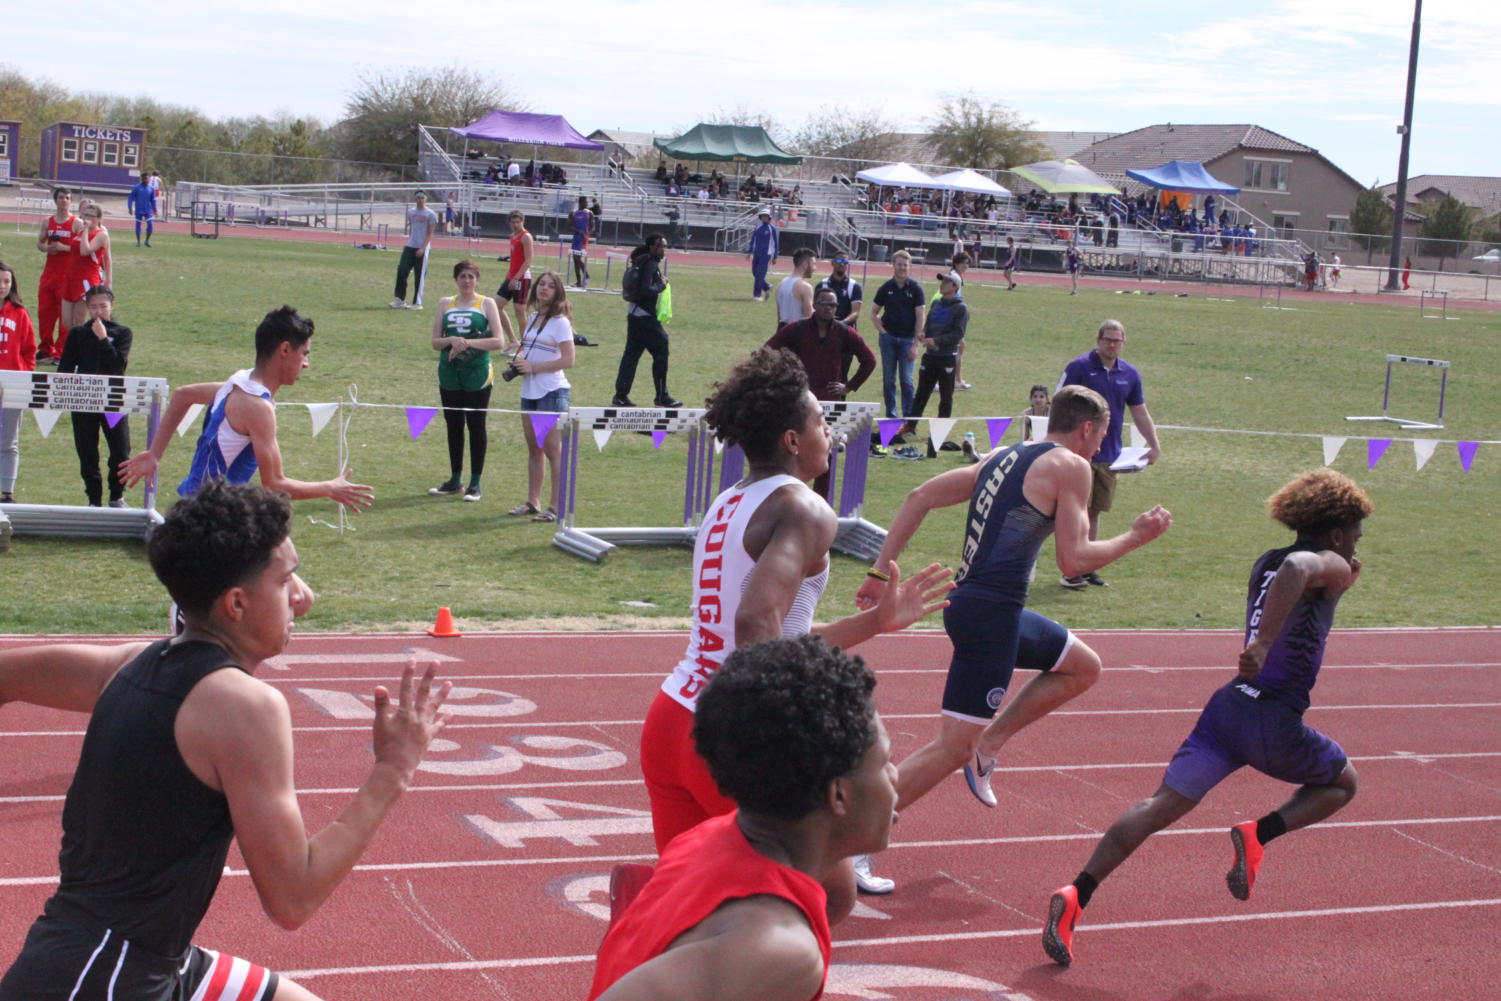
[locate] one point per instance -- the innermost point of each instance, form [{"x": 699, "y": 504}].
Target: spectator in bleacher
[
  {"x": 764, "y": 248},
  {"x": 421, "y": 221},
  {"x": 17, "y": 354},
  {"x": 1251, "y": 239},
  {"x": 900, "y": 308},
  {"x": 141, "y": 203},
  {"x": 673, "y": 190},
  {"x": 643, "y": 283},
  {"x": 703, "y": 193},
  {"x": 661, "y": 174},
  {"x": 513, "y": 172},
  {"x": 1209, "y": 204},
  {"x": 845, "y": 289},
  {"x": 1114, "y": 237},
  {"x": 99, "y": 347}
]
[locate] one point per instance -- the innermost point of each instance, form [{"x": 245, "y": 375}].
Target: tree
[
  {"x": 968, "y": 133},
  {"x": 385, "y": 108},
  {"x": 849, "y": 136},
  {"x": 1445, "y": 230},
  {"x": 1371, "y": 221}
]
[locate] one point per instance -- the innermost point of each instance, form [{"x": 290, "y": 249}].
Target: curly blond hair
[{"x": 1319, "y": 501}]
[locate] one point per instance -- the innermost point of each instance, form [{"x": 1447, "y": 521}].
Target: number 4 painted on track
[{"x": 546, "y": 820}]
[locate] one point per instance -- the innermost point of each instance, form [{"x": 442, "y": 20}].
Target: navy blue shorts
[
  {"x": 992, "y": 636},
  {"x": 1241, "y": 725}
]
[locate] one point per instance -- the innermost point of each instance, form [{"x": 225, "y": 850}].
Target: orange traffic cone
[{"x": 444, "y": 626}]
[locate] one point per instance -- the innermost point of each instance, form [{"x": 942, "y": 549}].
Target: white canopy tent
[
  {"x": 971, "y": 181},
  {"x": 898, "y": 175}
]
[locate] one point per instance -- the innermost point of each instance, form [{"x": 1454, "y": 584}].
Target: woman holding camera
[
  {"x": 546, "y": 351},
  {"x": 467, "y": 327}
]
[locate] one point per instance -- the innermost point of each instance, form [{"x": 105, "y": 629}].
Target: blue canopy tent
[{"x": 1182, "y": 175}]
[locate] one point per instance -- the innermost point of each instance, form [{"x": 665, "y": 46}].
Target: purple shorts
[{"x": 1242, "y": 725}]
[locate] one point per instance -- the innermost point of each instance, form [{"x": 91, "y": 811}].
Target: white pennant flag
[
  {"x": 601, "y": 435},
  {"x": 1332, "y": 445},
  {"x": 938, "y": 429},
  {"x": 718, "y": 444},
  {"x": 321, "y": 413},
  {"x": 1422, "y": 450},
  {"x": 188, "y": 419},
  {"x": 46, "y": 420}
]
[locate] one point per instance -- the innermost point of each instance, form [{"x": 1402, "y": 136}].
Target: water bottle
[{"x": 969, "y": 439}]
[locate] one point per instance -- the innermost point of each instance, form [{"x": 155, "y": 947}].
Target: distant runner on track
[
  {"x": 186, "y": 750},
  {"x": 1256, "y": 718}
]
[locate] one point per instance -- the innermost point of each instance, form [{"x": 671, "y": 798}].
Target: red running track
[{"x": 488, "y": 879}]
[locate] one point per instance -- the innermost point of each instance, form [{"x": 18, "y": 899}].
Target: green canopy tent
[{"x": 726, "y": 144}]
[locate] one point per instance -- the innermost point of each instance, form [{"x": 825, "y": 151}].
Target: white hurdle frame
[
  {"x": 1405, "y": 423},
  {"x": 110, "y": 394}
]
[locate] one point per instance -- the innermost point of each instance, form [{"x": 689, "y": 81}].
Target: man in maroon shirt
[{"x": 825, "y": 347}]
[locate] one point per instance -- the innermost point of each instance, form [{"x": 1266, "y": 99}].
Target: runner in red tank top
[
  {"x": 90, "y": 265},
  {"x": 55, "y": 239},
  {"x": 518, "y": 284},
  {"x": 735, "y": 910}
]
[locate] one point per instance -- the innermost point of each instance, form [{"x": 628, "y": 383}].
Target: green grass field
[{"x": 194, "y": 304}]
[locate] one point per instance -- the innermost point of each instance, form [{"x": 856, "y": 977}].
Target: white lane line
[
  {"x": 556, "y": 724},
  {"x": 938, "y": 670},
  {"x": 1031, "y": 930},
  {"x": 1028, "y": 839},
  {"x": 1407, "y": 756}
]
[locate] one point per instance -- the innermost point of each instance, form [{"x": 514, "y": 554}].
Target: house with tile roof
[
  {"x": 1483, "y": 194},
  {"x": 1285, "y": 184}
]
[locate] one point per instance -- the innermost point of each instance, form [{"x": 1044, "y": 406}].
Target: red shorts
[
  {"x": 78, "y": 285},
  {"x": 682, "y": 791},
  {"x": 514, "y": 294}
]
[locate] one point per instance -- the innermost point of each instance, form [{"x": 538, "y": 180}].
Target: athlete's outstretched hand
[
  {"x": 906, "y": 602},
  {"x": 137, "y": 468},
  {"x": 355, "y": 496},
  {"x": 403, "y": 731}
]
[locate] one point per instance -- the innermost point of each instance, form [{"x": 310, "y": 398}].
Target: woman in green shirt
[{"x": 466, "y": 329}]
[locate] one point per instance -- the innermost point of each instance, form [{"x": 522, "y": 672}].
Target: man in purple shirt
[
  {"x": 1256, "y": 718},
  {"x": 1104, "y": 371},
  {"x": 825, "y": 347}
]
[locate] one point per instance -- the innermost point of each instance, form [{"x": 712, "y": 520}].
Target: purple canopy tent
[{"x": 526, "y": 128}]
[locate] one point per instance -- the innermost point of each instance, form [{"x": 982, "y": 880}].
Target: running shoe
[
  {"x": 977, "y": 774},
  {"x": 866, "y": 881},
  {"x": 445, "y": 488},
  {"x": 879, "y": 451},
  {"x": 1074, "y": 583},
  {"x": 1248, "y": 851},
  {"x": 119, "y": 502},
  {"x": 906, "y": 452},
  {"x": 962, "y": 385},
  {"x": 1058, "y": 934},
  {"x": 472, "y": 494},
  {"x": 1095, "y": 580},
  {"x": 398, "y": 304}
]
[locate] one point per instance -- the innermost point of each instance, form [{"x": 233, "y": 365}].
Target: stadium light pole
[{"x": 1399, "y": 215}]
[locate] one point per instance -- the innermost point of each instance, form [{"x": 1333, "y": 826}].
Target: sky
[{"x": 1327, "y": 73}]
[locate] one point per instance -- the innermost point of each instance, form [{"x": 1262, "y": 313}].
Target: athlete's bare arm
[
  {"x": 803, "y": 293},
  {"x": 255, "y": 417},
  {"x": 789, "y": 538},
  {"x": 62, "y": 676},
  {"x": 1065, "y": 476},
  {"x": 944, "y": 490},
  {"x": 1300, "y": 574},
  {"x": 138, "y": 467},
  {"x": 754, "y": 949},
  {"x": 235, "y": 734}
]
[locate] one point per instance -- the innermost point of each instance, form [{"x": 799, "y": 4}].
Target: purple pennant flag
[
  {"x": 889, "y": 426},
  {"x": 113, "y": 419},
  {"x": 657, "y": 437},
  {"x": 1467, "y": 453},
  {"x": 418, "y": 418},
  {"x": 998, "y": 426},
  {"x": 1375, "y": 448},
  {"x": 542, "y": 424}
]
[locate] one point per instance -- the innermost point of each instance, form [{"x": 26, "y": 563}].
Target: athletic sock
[
  {"x": 1269, "y": 827},
  {"x": 1086, "y": 885},
  {"x": 473, "y": 482}
]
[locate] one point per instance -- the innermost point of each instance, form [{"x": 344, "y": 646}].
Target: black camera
[{"x": 510, "y": 373}]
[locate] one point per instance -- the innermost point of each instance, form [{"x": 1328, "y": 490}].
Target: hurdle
[
  {"x": 203, "y": 224},
  {"x": 596, "y": 544},
  {"x": 1409, "y": 424},
  {"x": 850, "y": 424},
  {"x": 1266, "y": 299},
  {"x": 53, "y": 392},
  {"x": 1441, "y": 298}
]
